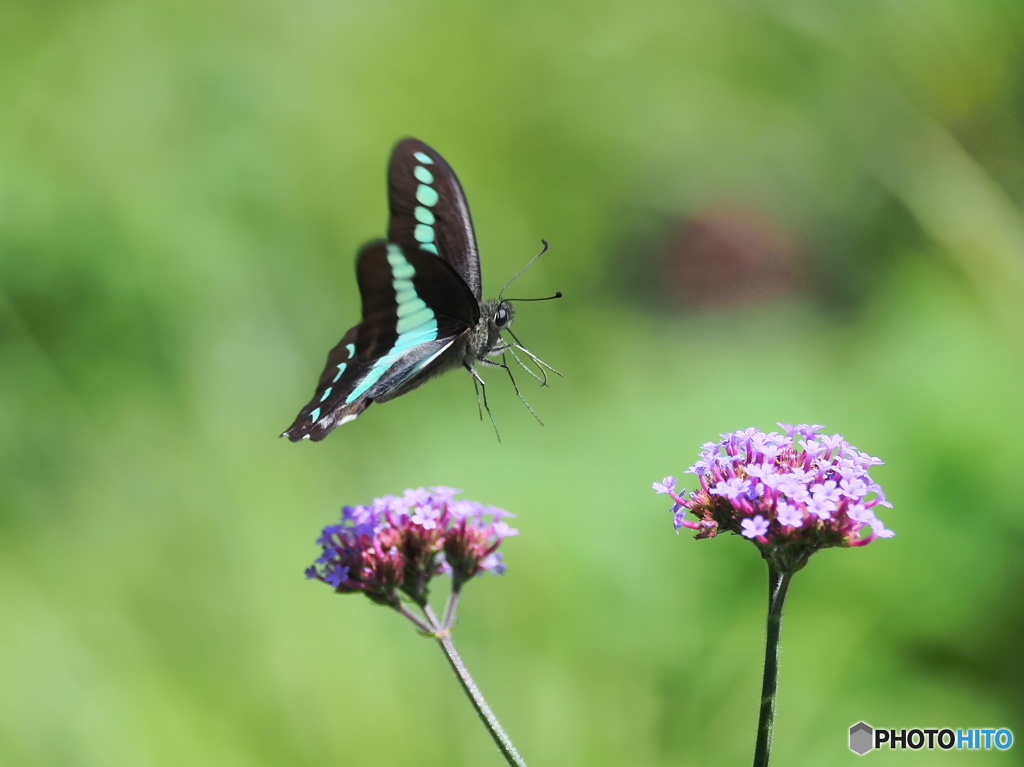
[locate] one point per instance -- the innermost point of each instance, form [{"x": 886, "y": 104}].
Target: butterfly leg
[
  {"x": 504, "y": 365},
  {"x": 481, "y": 388},
  {"x": 537, "y": 360},
  {"x": 543, "y": 377},
  {"x": 479, "y": 406}
]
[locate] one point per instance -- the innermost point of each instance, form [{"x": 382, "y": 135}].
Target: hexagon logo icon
[{"x": 861, "y": 738}]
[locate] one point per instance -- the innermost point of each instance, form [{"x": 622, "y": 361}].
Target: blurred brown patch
[{"x": 731, "y": 257}]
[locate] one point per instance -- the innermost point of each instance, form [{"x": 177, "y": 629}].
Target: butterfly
[{"x": 421, "y": 298}]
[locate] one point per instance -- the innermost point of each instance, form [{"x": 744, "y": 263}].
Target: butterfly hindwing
[
  {"x": 429, "y": 210},
  {"x": 329, "y": 406},
  {"x": 415, "y": 308}
]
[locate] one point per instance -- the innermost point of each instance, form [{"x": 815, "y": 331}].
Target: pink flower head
[
  {"x": 790, "y": 493},
  {"x": 398, "y": 544}
]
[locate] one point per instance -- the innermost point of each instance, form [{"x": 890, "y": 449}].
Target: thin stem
[
  {"x": 452, "y": 606},
  {"x": 482, "y": 709},
  {"x": 421, "y": 624},
  {"x": 438, "y": 627},
  {"x": 778, "y": 585}
]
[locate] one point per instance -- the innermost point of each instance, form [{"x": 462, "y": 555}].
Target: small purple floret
[
  {"x": 666, "y": 485},
  {"x": 753, "y": 528}
]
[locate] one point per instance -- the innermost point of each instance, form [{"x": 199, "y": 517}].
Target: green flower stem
[
  {"x": 449, "y": 611},
  {"x": 778, "y": 585},
  {"x": 476, "y": 697},
  {"x": 421, "y": 624}
]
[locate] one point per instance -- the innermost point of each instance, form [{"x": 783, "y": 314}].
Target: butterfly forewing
[
  {"x": 415, "y": 306},
  {"x": 429, "y": 210}
]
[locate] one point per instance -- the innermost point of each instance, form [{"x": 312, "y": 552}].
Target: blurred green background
[{"x": 759, "y": 211}]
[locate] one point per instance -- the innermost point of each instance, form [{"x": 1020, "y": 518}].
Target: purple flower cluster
[
  {"x": 398, "y": 544},
  {"x": 791, "y": 493}
]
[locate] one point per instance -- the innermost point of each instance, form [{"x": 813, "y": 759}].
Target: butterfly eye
[{"x": 501, "y": 317}]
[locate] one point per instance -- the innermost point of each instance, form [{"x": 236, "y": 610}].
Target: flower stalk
[
  {"x": 791, "y": 494},
  {"x": 390, "y": 552},
  {"x": 778, "y": 586},
  {"x": 501, "y": 738}
]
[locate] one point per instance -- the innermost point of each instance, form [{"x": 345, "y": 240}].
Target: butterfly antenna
[
  {"x": 515, "y": 386},
  {"x": 546, "y": 298},
  {"x": 528, "y": 265}
]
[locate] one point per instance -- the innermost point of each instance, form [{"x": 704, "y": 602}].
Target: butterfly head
[{"x": 498, "y": 315}]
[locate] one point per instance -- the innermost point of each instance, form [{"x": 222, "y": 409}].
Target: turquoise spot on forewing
[
  {"x": 410, "y": 307},
  {"x": 424, "y": 158},
  {"x": 400, "y": 268},
  {"x": 423, "y": 233},
  {"x": 315, "y": 414},
  {"x": 423, "y": 215},
  {"x": 416, "y": 337},
  {"x": 351, "y": 349},
  {"x": 424, "y": 175},
  {"x": 430, "y": 248},
  {"x": 427, "y": 195},
  {"x": 416, "y": 319},
  {"x": 327, "y": 393},
  {"x": 341, "y": 369}
]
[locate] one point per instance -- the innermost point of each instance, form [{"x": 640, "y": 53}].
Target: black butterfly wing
[
  {"x": 329, "y": 406},
  {"x": 415, "y": 309},
  {"x": 429, "y": 210}
]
